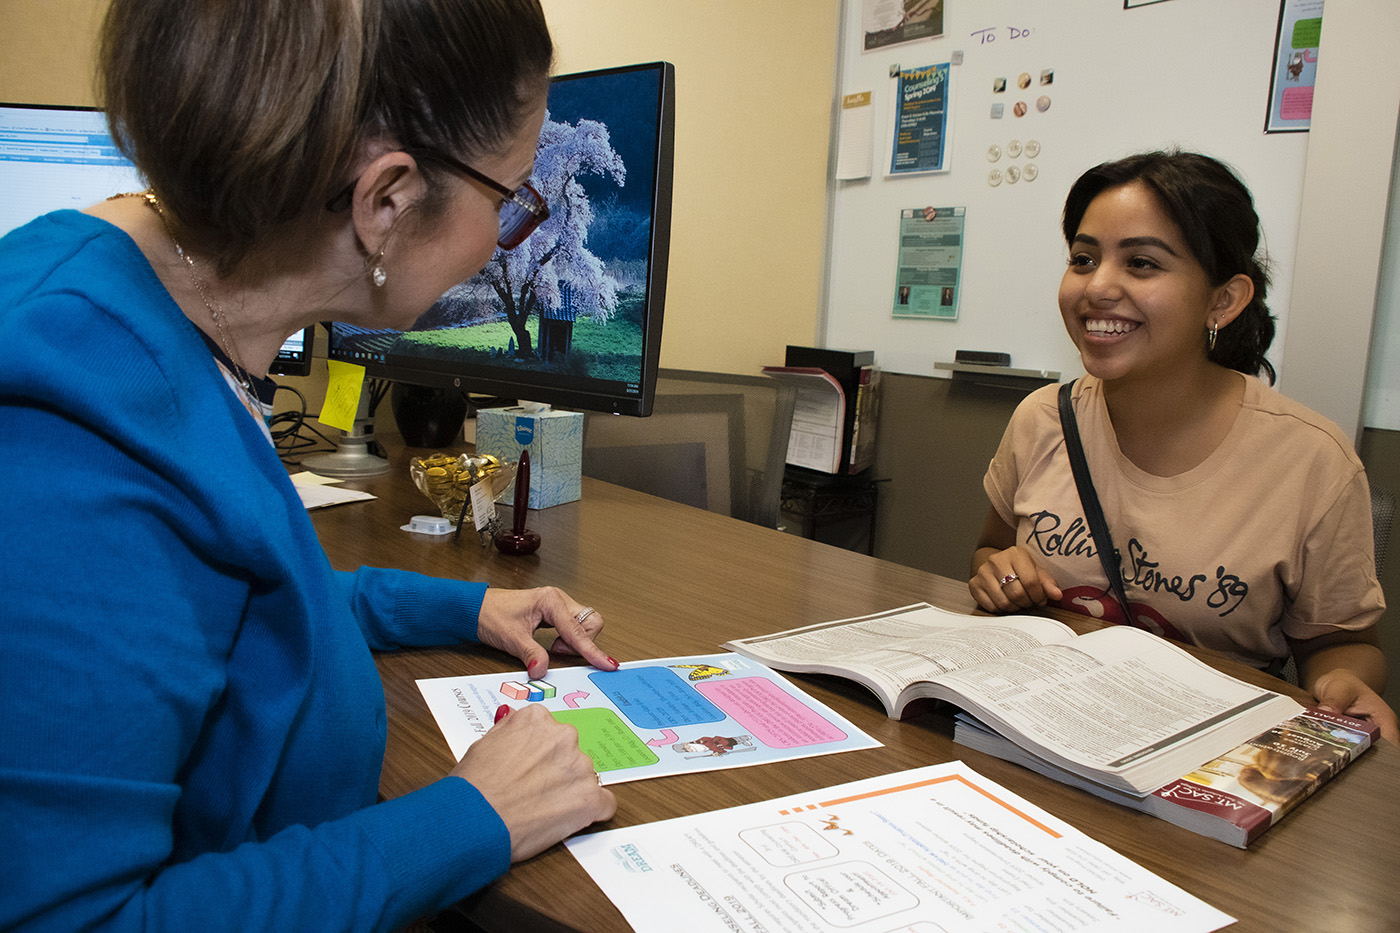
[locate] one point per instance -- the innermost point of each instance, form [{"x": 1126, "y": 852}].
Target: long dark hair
[
  {"x": 1216, "y": 216},
  {"x": 246, "y": 116}
]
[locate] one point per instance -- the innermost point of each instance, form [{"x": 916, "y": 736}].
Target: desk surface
[{"x": 673, "y": 580}]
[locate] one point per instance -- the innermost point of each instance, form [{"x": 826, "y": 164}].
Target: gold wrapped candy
[{"x": 447, "y": 480}]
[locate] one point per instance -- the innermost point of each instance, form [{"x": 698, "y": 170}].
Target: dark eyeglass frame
[{"x": 522, "y": 210}]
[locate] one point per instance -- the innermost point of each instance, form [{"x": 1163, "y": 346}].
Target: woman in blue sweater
[{"x": 193, "y": 724}]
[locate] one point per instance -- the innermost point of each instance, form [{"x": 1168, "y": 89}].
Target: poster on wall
[
  {"x": 891, "y": 22},
  {"x": 855, "y": 136},
  {"x": 1295, "y": 66},
  {"x": 921, "y": 120},
  {"x": 928, "y": 277}
]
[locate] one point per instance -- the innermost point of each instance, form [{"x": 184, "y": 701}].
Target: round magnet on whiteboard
[
  {"x": 1019, "y": 109},
  {"x": 993, "y": 152},
  {"x": 1024, "y": 81},
  {"x": 1013, "y": 149},
  {"x": 1042, "y": 103},
  {"x": 1013, "y": 174},
  {"x": 1032, "y": 149},
  {"x": 1030, "y": 173},
  {"x": 994, "y": 177}
]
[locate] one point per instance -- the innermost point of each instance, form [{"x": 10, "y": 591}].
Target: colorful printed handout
[{"x": 655, "y": 718}]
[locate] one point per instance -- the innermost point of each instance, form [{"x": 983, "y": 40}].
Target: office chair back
[
  {"x": 1382, "y": 518},
  {"x": 716, "y": 441}
]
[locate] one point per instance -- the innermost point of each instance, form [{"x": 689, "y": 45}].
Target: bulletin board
[{"x": 1094, "y": 80}]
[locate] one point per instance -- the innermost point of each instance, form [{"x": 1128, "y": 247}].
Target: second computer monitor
[{"x": 572, "y": 316}]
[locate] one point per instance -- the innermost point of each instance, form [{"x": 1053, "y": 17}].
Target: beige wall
[
  {"x": 754, "y": 85},
  {"x": 47, "y": 50}
]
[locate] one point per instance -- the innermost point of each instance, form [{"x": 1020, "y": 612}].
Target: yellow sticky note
[{"x": 342, "y": 395}]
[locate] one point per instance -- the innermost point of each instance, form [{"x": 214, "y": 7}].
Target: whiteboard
[{"x": 1188, "y": 73}]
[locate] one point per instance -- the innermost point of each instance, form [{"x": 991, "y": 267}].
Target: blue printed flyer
[
  {"x": 656, "y": 718},
  {"x": 921, "y": 120}
]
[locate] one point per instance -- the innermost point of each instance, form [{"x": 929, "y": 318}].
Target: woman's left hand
[
  {"x": 1341, "y": 691},
  {"x": 509, "y": 618}
]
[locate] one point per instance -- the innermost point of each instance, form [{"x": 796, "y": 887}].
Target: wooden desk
[{"x": 673, "y": 580}]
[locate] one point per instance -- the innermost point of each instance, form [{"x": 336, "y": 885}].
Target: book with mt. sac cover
[{"x": 1235, "y": 797}]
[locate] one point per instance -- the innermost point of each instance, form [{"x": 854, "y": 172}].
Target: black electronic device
[
  {"x": 572, "y": 316},
  {"x": 982, "y": 357},
  {"x": 294, "y": 356}
]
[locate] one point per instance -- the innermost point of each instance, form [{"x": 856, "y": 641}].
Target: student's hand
[
  {"x": 1341, "y": 691},
  {"x": 509, "y": 618},
  {"x": 543, "y": 787},
  {"x": 1010, "y": 579}
]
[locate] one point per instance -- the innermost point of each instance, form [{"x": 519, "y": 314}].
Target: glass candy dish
[{"x": 447, "y": 480}]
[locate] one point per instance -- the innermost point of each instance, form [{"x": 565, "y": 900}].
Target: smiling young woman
[{"x": 1241, "y": 519}]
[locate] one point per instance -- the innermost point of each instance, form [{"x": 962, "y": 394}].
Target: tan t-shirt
[{"x": 1271, "y": 535}]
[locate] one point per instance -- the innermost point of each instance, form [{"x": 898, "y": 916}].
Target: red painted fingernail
[
  {"x": 501, "y": 712},
  {"x": 614, "y": 661},
  {"x": 530, "y": 668}
]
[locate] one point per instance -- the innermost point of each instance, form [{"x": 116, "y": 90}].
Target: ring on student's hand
[
  {"x": 583, "y": 614},
  {"x": 598, "y": 777},
  {"x": 1009, "y": 579}
]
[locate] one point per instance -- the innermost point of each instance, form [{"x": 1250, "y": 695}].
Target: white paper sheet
[{"x": 930, "y": 850}]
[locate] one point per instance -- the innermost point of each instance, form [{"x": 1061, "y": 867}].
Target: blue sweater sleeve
[
  {"x": 377, "y": 868},
  {"x": 399, "y": 608}
]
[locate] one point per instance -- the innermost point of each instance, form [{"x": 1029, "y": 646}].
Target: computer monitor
[
  {"x": 572, "y": 316},
  {"x": 294, "y": 356},
  {"x": 56, "y": 157}
]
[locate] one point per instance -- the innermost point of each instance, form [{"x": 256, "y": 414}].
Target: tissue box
[{"x": 555, "y": 442}]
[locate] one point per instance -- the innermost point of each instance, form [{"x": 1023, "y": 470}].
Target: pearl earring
[{"x": 377, "y": 275}]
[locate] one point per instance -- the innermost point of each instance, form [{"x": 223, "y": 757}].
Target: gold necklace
[{"x": 240, "y": 374}]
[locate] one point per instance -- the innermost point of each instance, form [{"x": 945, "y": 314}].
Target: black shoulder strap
[{"x": 1098, "y": 526}]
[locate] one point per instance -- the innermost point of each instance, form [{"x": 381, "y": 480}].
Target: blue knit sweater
[{"x": 192, "y": 722}]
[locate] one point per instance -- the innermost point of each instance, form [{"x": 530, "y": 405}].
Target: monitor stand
[{"x": 352, "y": 456}]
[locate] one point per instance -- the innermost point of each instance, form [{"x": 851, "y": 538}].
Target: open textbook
[
  {"x": 1118, "y": 706},
  {"x": 1235, "y": 797}
]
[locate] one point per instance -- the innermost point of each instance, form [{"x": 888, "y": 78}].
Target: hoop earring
[
  {"x": 1210, "y": 341},
  {"x": 377, "y": 275}
]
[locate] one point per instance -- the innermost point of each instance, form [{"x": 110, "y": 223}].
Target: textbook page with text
[{"x": 1119, "y": 705}]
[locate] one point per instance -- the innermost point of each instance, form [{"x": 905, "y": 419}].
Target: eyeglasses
[{"x": 521, "y": 212}]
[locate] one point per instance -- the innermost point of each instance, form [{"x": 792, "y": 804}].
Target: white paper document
[
  {"x": 931, "y": 850},
  {"x": 317, "y": 491},
  {"x": 855, "y": 137}
]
